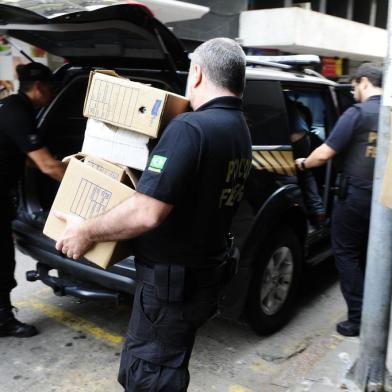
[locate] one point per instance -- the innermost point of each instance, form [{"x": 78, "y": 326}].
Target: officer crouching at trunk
[
  {"x": 353, "y": 141},
  {"x": 181, "y": 215}
]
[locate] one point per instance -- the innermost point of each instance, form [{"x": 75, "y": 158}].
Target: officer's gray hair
[{"x": 223, "y": 62}]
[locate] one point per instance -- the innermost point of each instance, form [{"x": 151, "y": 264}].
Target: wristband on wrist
[{"x": 303, "y": 167}]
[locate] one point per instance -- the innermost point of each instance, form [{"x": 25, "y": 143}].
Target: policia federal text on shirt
[
  {"x": 18, "y": 140},
  {"x": 180, "y": 214},
  {"x": 353, "y": 142}
]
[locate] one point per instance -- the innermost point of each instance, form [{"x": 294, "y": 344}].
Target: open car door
[{"x": 345, "y": 96}]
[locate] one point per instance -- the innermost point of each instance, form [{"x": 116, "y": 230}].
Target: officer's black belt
[{"x": 198, "y": 276}]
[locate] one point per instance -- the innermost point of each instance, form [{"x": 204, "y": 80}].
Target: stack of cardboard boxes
[{"x": 122, "y": 117}]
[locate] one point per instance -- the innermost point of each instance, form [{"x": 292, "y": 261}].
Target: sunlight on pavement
[
  {"x": 74, "y": 322},
  {"x": 238, "y": 388}
]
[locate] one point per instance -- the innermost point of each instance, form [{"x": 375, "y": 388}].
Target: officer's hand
[{"x": 73, "y": 243}]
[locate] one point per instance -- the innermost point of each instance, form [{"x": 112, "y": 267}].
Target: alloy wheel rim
[{"x": 277, "y": 280}]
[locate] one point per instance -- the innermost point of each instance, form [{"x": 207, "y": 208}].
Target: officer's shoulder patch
[{"x": 157, "y": 163}]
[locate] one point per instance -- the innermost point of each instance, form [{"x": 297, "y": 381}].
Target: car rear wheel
[{"x": 275, "y": 282}]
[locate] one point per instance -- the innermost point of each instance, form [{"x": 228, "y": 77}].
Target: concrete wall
[
  {"x": 372, "y": 12},
  {"x": 221, "y": 21},
  {"x": 302, "y": 31}
]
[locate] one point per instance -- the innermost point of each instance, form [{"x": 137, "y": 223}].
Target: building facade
[
  {"x": 369, "y": 12},
  {"x": 344, "y": 33}
]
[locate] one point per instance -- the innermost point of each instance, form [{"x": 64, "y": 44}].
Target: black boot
[
  {"x": 348, "y": 328},
  {"x": 10, "y": 326}
]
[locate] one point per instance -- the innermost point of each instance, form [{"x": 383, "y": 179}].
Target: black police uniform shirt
[
  {"x": 199, "y": 166},
  {"x": 18, "y": 136},
  {"x": 354, "y": 139}
]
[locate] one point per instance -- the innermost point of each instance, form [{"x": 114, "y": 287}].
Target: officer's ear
[
  {"x": 197, "y": 75},
  {"x": 364, "y": 81},
  {"x": 33, "y": 89},
  {"x": 36, "y": 87},
  {"x": 39, "y": 86},
  {"x": 45, "y": 89}
]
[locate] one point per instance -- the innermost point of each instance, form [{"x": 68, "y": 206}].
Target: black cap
[
  {"x": 32, "y": 72},
  {"x": 371, "y": 71}
]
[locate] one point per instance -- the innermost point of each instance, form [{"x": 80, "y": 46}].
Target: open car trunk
[{"x": 125, "y": 35}]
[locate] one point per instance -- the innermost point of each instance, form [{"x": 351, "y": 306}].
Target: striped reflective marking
[
  {"x": 286, "y": 159},
  {"x": 257, "y": 165},
  {"x": 258, "y": 156},
  {"x": 274, "y": 162},
  {"x": 278, "y": 162}
]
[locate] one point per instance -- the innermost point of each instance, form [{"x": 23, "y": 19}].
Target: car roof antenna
[{"x": 21, "y": 51}]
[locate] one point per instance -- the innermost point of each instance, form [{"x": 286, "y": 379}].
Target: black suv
[{"x": 271, "y": 227}]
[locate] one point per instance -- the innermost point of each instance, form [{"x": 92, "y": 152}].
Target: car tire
[{"x": 275, "y": 282}]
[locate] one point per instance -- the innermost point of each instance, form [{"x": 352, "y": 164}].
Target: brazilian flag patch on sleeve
[{"x": 157, "y": 163}]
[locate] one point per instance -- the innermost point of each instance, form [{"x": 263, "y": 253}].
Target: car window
[
  {"x": 266, "y": 113},
  {"x": 313, "y": 103}
]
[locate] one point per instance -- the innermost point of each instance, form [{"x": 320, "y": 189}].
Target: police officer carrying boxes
[
  {"x": 19, "y": 139},
  {"x": 180, "y": 214},
  {"x": 353, "y": 142}
]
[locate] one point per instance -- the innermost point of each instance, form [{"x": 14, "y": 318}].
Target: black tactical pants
[
  {"x": 350, "y": 231},
  {"x": 7, "y": 252},
  {"x": 161, "y": 331}
]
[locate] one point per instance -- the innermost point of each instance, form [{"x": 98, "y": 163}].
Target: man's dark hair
[
  {"x": 223, "y": 62},
  {"x": 25, "y": 87},
  {"x": 371, "y": 71},
  {"x": 32, "y": 72}
]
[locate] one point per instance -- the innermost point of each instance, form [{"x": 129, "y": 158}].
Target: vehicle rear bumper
[{"x": 120, "y": 278}]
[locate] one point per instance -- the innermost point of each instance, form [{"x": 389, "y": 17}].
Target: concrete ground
[{"x": 80, "y": 343}]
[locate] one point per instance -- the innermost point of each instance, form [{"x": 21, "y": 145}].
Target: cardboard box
[
  {"x": 116, "y": 172},
  {"x": 115, "y": 144},
  {"x": 88, "y": 192},
  {"x": 131, "y": 105}
]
